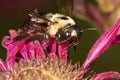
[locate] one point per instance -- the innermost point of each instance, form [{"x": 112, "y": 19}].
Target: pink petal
[
  {"x": 10, "y": 62},
  {"x": 39, "y": 50},
  {"x": 23, "y": 52},
  {"x": 52, "y": 48},
  {"x": 6, "y": 41},
  {"x": 107, "y": 75},
  {"x": 14, "y": 48},
  {"x": 62, "y": 51},
  {"x": 2, "y": 65},
  {"x": 31, "y": 49},
  {"x": 43, "y": 44},
  {"x": 102, "y": 44},
  {"x": 13, "y": 33}
]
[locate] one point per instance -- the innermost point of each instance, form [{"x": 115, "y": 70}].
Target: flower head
[{"x": 27, "y": 56}]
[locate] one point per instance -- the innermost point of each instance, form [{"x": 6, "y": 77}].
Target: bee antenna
[{"x": 88, "y": 29}]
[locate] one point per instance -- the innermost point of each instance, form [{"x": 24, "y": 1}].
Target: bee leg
[
  {"x": 57, "y": 44},
  {"x": 46, "y": 38},
  {"x": 75, "y": 46}
]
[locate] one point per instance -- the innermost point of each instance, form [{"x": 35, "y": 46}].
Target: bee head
[{"x": 71, "y": 34}]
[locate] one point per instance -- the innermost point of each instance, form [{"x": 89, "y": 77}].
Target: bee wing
[
  {"x": 21, "y": 36},
  {"x": 29, "y": 30}
]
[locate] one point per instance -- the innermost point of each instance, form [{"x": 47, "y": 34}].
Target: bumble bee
[{"x": 58, "y": 26}]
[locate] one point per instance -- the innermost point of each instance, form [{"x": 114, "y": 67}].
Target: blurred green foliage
[{"x": 14, "y": 13}]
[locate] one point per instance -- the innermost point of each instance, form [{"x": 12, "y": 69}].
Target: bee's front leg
[{"x": 46, "y": 38}]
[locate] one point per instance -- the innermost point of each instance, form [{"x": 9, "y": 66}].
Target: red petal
[
  {"x": 14, "y": 48},
  {"x": 52, "y": 48},
  {"x": 6, "y": 41},
  {"x": 13, "y": 33},
  {"x": 102, "y": 44},
  {"x": 107, "y": 75},
  {"x": 43, "y": 44},
  {"x": 10, "y": 62},
  {"x": 2, "y": 65},
  {"x": 24, "y": 53},
  {"x": 62, "y": 51},
  {"x": 31, "y": 49},
  {"x": 39, "y": 50}
]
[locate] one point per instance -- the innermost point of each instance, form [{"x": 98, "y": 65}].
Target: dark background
[{"x": 14, "y": 12}]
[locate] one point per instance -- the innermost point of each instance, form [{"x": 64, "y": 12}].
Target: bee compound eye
[{"x": 67, "y": 34}]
